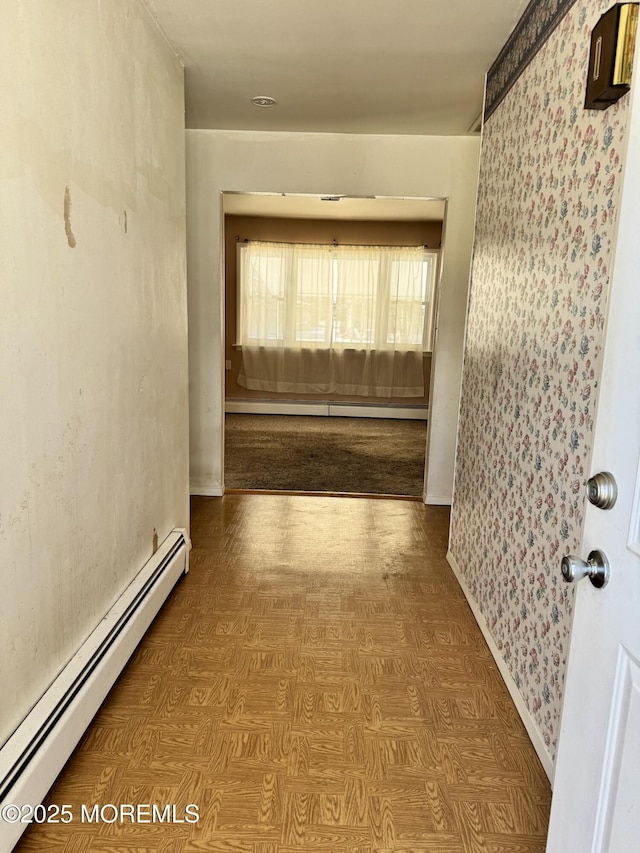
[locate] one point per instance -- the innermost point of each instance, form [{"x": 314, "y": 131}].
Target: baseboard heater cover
[
  {"x": 325, "y": 409},
  {"x": 36, "y": 752}
]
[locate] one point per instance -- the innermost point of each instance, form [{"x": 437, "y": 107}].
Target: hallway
[{"x": 316, "y": 682}]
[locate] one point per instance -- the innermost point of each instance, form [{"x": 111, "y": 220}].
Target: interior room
[
  {"x": 283, "y": 439},
  {"x": 187, "y": 666}
]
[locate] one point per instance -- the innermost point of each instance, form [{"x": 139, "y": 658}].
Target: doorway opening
[{"x": 319, "y": 441}]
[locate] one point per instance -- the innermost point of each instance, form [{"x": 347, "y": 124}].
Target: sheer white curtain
[{"x": 343, "y": 319}]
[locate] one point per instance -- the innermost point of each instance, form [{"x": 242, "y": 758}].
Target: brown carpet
[{"x": 325, "y": 454}]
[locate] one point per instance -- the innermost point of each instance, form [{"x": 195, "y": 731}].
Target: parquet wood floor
[{"x": 317, "y": 682}]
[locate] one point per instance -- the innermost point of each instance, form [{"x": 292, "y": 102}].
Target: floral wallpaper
[
  {"x": 538, "y": 21},
  {"x": 549, "y": 185}
]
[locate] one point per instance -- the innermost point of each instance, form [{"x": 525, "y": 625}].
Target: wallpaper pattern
[
  {"x": 549, "y": 182},
  {"x": 538, "y": 21}
]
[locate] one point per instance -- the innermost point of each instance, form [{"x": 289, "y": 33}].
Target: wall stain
[
  {"x": 155, "y": 540},
  {"x": 71, "y": 240},
  {"x": 125, "y": 222}
]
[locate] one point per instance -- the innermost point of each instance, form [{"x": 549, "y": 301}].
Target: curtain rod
[{"x": 334, "y": 242}]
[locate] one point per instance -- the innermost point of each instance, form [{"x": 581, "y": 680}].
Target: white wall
[
  {"x": 244, "y": 161},
  {"x": 93, "y": 387}
]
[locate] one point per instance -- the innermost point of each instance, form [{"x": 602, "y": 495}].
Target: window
[{"x": 342, "y": 297}]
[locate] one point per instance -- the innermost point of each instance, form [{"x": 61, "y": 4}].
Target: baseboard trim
[
  {"x": 322, "y": 409},
  {"x": 437, "y": 500},
  {"x": 206, "y": 491},
  {"x": 524, "y": 713},
  {"x": 36, "y": 752}
]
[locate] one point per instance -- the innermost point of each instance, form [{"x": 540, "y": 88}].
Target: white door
[{"x": 596, "y": 798}]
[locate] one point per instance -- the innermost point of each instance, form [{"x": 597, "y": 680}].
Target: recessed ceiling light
[{"x": 263, "y": 101}]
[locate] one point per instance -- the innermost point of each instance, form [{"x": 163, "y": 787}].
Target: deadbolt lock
[{"x": 602, "y": 490}]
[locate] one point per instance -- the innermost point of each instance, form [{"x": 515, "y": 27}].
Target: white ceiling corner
[{"x": 339, "y": 66}]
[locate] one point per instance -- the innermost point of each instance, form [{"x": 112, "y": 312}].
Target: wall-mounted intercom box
[{"x": 611, "y": 57}]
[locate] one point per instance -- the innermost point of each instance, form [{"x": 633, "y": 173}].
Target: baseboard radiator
[
  {"x": 37, "y": 751},
  {"x": 336, "y": 410}
]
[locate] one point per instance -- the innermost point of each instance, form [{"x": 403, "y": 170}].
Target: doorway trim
[{"x": 430, "y": 203}]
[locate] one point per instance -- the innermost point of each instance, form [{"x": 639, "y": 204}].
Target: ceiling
[{"x": 337, "y": 66}]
